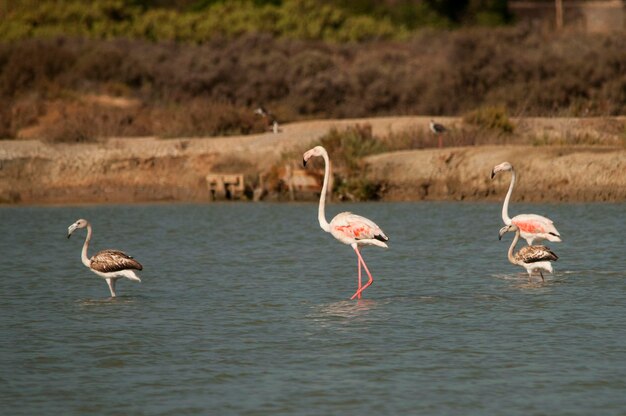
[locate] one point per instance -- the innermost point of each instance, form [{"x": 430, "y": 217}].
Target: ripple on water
[{"x": 236, "y": 315}]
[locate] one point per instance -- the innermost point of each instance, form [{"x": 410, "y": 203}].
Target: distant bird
[
  {"x": 262, "y": 112},
  {"x": 533, "y": 228},
  {"x": 438, "y": 130},
  {"x": 346, "y": 227},
  {"x": 108, "y": 264},
  {"x": 271, "y": 120},
  {"x": 532, "y": 258}
]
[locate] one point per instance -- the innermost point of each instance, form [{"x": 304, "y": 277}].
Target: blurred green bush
[{"x": 199, "y": 21}]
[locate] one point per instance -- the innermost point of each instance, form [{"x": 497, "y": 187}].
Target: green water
[{"x": 244, "y": 310}]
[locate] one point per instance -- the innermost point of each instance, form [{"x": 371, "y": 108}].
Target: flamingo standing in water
[
  {"x": 532, "y": 227},
  {"x": 532, "y": 258},
  {"x": 347, "y": 227},
  {"x": 108, "y": 264}
]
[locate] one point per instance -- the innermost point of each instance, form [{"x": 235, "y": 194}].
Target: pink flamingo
[
  {"x": 347, "y": 227},
  {"x": 532, "y": 227}
]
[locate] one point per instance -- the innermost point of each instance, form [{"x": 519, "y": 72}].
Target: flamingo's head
[
  {"x": 502, "y": 167},
  {"x": 260, "y": 111},
  {"x": 78, "y": 224},
  {"x": 506, "y": 229},
  {"x": 316, "y": 151}
]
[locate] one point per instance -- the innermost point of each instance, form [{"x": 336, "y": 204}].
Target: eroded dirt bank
[
  {"x": 555, "y": 173},
  {"x": 151, "y": 169}
]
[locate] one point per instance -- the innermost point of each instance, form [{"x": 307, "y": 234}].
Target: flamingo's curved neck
[
  {"x": 83, "y": 255},
  {"x": 321, "y": 216},
  {"x": 510, "y": 255},
  {"x": 505, "y": 206}
]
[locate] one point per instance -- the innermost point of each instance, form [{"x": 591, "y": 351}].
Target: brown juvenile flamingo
[
  {"x": 532, "y": 227},
  {"x": 108, "y": 264},
  {"x": 347, "y": 227},
  {"x": 532, "y": 258}
]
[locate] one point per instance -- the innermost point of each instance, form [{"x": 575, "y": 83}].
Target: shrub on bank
[
  {"x": 490, "y": 118},
  {"x": 83, "y": 120},
  {"x": 202, "y": 118},
  {"x": 350, "y": 145},
  {"x": 440, "y": 73},
  {"x": 105, "y": 19}
]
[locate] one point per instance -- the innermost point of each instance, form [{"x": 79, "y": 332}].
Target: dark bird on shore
[
  {"x": 437, "y": 128},
  {"x": 272, "y": 123}
]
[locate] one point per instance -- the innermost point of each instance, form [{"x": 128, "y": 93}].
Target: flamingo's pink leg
[
  {"x": 369, "y": 282},
  {"x": 360, "y": 284}
]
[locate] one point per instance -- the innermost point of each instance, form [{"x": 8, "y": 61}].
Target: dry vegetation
[
  {"x": 174, "y": 89},
  {"x": 150, "y": 169},
  {"x": 352, "y": 145}
]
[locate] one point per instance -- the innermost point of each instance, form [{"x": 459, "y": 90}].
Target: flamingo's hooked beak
[
  {"x": 71, "y": 229},
  {"x": 493, "y": 173},
  {"x": 304, "y": 162},
  {"x": 503, "y": 231}
]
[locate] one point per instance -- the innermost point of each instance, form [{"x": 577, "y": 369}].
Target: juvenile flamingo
[
  {"x": 532, "y": 227},
  {"x": 532, "y": 258},
  {"x": 347, "y": 227},
  {"x": 108, "y": 264}
]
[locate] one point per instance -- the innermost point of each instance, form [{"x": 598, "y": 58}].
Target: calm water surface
[{"x": 244, "y": 310}]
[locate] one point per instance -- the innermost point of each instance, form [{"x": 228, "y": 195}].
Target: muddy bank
[
  {"x": 125, "y": 170},
  {"x": 129, "y": 170},
  {"x": 544, "y": 173}
]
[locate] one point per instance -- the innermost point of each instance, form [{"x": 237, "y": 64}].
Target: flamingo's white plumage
[
  {"x": 108, "y": 264},
  {"x": 532, "y": 258},
  {"x": 346, "y": 227},
  {"x": 532, "y": 227}
]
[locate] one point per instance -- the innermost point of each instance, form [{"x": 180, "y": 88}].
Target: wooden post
[{"x": 559, "y": 14}]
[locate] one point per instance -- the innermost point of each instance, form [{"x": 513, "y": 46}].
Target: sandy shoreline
[{"x": 127, "y": 170}]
